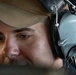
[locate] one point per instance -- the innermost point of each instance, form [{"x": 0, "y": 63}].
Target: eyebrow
[{"x": 23, "y": 29}]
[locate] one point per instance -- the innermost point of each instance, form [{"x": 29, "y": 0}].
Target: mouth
[{"x": 20, "y": 61}]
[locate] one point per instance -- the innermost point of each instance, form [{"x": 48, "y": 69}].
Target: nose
[
  {"x": 12, "y": 50},
  {"x": 13, "y": 53}
]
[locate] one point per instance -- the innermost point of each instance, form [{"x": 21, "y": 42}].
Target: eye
[
  {"x": 2, "y": 37},
  {"x": 23, "y": 37}
]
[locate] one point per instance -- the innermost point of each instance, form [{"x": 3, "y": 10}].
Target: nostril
[{"x": 12, "y": 56}]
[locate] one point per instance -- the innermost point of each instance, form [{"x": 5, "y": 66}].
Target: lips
[{"x": 20, "y": 60}]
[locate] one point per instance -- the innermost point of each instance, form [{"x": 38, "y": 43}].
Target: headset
[{"x": 63, "y": 30}]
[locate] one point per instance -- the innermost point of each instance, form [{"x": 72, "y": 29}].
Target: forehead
[{"x": 35, "y": 27}]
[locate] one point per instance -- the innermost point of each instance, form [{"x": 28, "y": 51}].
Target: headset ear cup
[{"x": 55, "y": 35}]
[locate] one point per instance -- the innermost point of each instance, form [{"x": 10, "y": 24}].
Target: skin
[{"x": 26, "y": 46}]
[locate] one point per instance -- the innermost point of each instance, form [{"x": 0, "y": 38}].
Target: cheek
[
  {"x": 2, "y": 46},
  {"x": 38, "y": 52},
  {"x": 29, "y": 50}
]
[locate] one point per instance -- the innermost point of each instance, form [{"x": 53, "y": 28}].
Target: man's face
[{"x": 25, "y": 46}]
